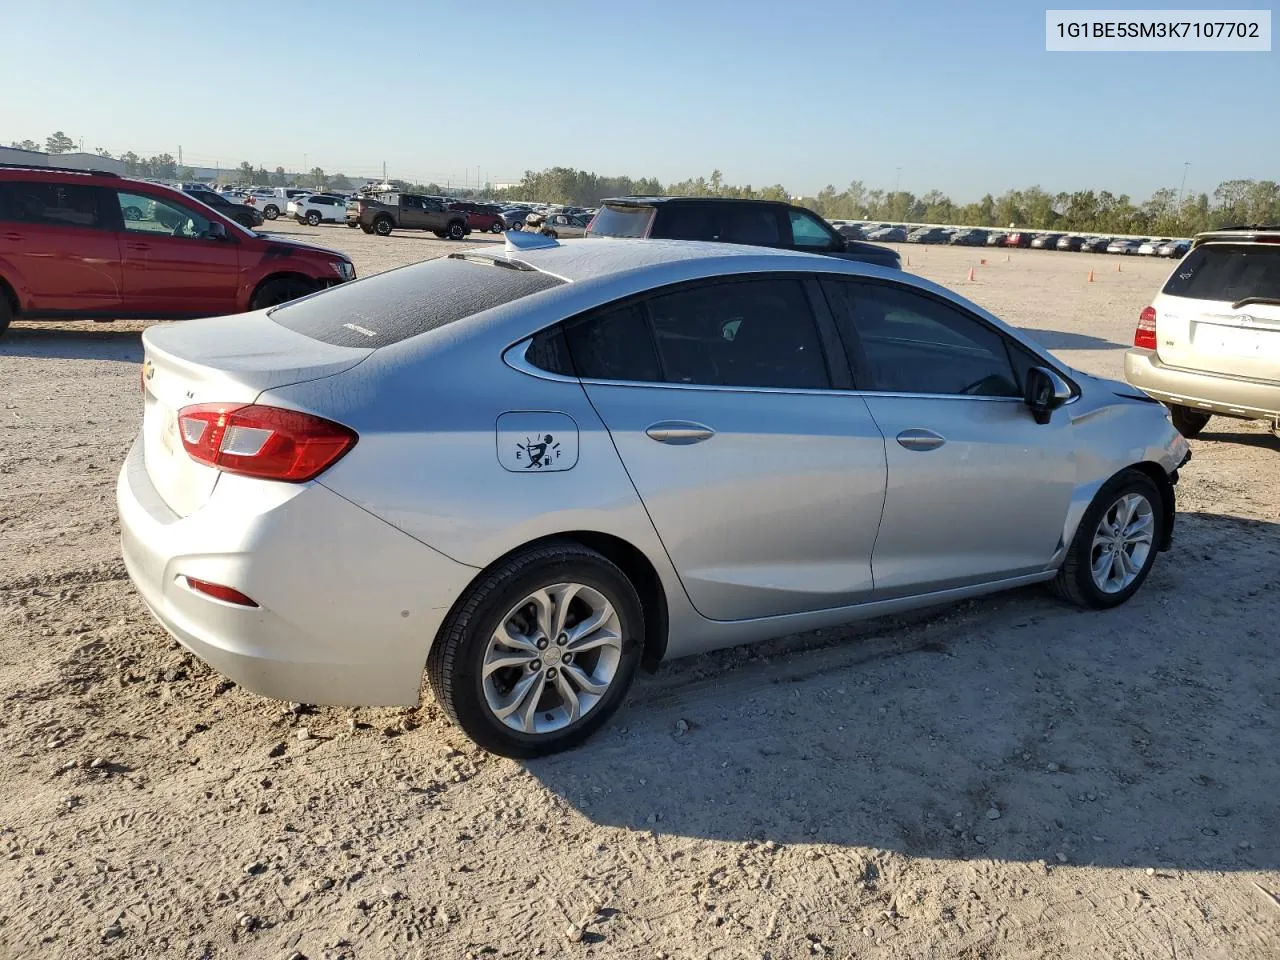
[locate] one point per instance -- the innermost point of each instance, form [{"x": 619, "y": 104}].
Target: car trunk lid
[
  {"x": 1220, "y": 311},
  {"x": 226, "y": 360}
]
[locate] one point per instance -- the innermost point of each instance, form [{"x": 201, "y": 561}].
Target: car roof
[
  {"x": 644, "y": 201},
  {"x": 586, "y": 259}
]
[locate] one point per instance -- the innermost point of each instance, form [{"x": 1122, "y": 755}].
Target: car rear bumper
[
  {"x": 348, "y": 605},
  {"x": 1211, "y": 392}
]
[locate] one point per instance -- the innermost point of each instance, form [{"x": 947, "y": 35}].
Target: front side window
[
  {"x": 753, "y": 333},
  {"x": 807, "y": 232},
  {"x": 51, "y": 204},
  {"x": 144, "y": 214},
  {"x": 913, "y": 343}
]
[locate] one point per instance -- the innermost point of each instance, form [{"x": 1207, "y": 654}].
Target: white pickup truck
[{"x": 273, "y": 201}]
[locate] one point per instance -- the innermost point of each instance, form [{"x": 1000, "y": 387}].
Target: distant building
[{"x": 78, "y": 161}]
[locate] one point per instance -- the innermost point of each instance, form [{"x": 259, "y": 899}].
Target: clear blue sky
[{"x": 961, "y": 96}]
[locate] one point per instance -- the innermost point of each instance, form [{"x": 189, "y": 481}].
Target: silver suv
[{"x": 1209, "y": 344}]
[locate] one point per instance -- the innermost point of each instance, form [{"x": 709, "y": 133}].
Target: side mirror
[
  {"x": 217, "y": 231},
  {"x": 1045, "y": 393}
]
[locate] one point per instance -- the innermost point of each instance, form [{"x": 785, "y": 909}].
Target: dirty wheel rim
[
  {"x": 1122, "y": 543},
  {"x": 455, "y": 232},
  {"x": 382, "y": 228},
  {"x": 552, "y": 658}
]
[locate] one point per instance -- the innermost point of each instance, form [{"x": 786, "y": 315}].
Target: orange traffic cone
[
  {"x": 1117, "y": 267},
  {"x": 971, "y": 273},
  {"x": 1091, "y": 276}
]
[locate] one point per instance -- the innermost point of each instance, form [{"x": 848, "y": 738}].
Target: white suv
[{"x": 1209, "y": 344}]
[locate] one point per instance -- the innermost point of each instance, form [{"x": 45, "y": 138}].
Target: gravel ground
[{"x": 1003, "y": 778}]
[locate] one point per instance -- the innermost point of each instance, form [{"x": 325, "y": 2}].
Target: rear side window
[
  {"x": 52, "y": 204},
  {"x": 403, "y": 303},
  {"x": 752, "y": 224},
  {"x": 754, "y": 333},
  {"x": 622, "y": 221},
  {"x": 1227, "y": 272},
  {"x": 613, "y": 344}
]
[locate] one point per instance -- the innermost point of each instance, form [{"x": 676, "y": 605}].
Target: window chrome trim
[{"x": 515, "y": 358}]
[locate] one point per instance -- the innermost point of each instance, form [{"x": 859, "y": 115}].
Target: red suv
[
  {"x": 87, "y": 244},
  {"x": 481, "y": 217}
]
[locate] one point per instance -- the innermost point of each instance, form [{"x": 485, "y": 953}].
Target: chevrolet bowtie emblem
[{"x": 148, "y": 369}]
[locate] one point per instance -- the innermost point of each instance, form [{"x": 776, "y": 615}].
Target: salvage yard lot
[{"x": 1010, "y": 777}]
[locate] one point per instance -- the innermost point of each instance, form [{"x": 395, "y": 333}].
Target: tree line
[{"x": 1164, "y": 213}]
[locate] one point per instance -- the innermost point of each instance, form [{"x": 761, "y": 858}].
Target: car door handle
[
  {"x": 918, "y": 439},
  {"x": 679, "y": 432},
  {"x": 138, "y": 246},
  {"x": 13, "y": 236}
]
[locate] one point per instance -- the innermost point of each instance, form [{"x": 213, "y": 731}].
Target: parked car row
[{"x": 979, "y": 236}]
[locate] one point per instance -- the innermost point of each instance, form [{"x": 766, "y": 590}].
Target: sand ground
[{"x": 1004, "y": 778}]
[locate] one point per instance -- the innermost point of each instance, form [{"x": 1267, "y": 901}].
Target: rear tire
[
  {"x": 457, "y": 231},
  {"x": 493, "y": 605},
  {"x": 1100, "y": 528},
  {"x": 352, "y": 224},
  {"x": 366, "y": 229},
  {"x": 382, "y": 226},
  {"x": 439, "y": 234},
  {"x": 6, "y": 310},
  {"x": 280, "y": 290},
  {"x": 313, "y": 218},
  {"x": 1188, "y": 420},
  {"x": 271, "y": 211}
]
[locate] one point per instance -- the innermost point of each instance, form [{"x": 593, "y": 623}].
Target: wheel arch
[
  {"x": 10, "y": 296},
  {"x": 624, "y": 555},
  {"x": 284, "y": 275},
  {"x": 1168, "y": 501}
]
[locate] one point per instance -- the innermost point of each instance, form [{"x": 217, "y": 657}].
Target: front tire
[
  {"x": 540, "y": 651},
  {"x": 271, "y": 211},
  {"x": 1189, "y": 421},
  {"x": 1115, "y": 545},
  {"x": 496, "y": 228},
  {"x": 6, "y": 310},
  {"x": 280, "y": 290}
]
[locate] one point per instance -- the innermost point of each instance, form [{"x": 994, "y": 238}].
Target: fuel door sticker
[{"x": 537, "y": 441}]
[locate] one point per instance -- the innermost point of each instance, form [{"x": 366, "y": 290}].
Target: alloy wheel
[
  {"x": 1122, "y": 543},
  {"x": 552, "y": 658}
]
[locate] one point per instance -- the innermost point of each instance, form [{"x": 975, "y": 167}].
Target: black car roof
[{"x": 644, "y": 201}]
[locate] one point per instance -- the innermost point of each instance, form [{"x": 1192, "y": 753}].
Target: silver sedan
[{"x": 532, "y": 470}]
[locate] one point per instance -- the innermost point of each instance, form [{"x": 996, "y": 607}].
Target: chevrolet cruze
[{"x": 527, "y": 472}]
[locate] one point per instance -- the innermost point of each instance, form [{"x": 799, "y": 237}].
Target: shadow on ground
[
  {"x": 1016, "y": 728},
  {"x": 79, "y": 341}
]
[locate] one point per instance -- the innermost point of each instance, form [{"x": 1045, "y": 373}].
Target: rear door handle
[
  {"x": 679, "y": 432},
  {"x": 919, "y": 439},
  {"x": 13, "y": 236},
  {"x": 139, "y": 246}
]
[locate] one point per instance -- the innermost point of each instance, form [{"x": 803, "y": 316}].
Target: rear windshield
[
  {"x": 403, "y": 303},
  {"x": 1227, "y": 272},
  {"x": 621, "y": 221}
]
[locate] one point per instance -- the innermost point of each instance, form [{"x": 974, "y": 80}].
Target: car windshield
[
  {"x": 1227, "y": 272},
  {"x": 622, "y": 221}
]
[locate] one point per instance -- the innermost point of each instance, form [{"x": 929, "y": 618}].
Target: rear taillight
[
  {"x": 264, "y": 442},
  {"x": 1145, "y": 335}
]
